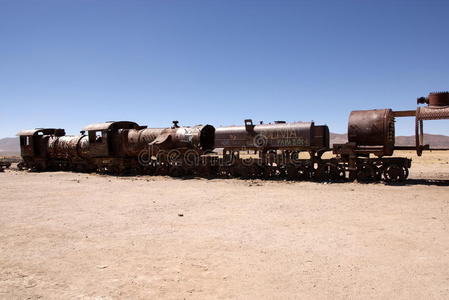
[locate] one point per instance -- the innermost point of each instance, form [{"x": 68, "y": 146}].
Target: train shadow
[
  {"x": 408, "y": 182},
  {"x": 427, "y": 182}
]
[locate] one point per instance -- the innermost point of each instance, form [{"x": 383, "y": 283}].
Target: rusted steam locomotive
[
  {"x": 279, "y": 150},
  {"x": 115, "y": 147}
]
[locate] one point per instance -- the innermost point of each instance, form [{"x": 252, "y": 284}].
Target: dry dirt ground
[{"x": 85, "y": 236}]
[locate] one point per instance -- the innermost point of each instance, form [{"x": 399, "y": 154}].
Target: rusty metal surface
[
  {"x": 199, "y": 137},
  {"x": 435, "y": 99},
  {"x": 321, "y": 136},
  {"x": 111, "y": 125},
  {"x": 43, "y": 131},
  {"x": 69, "y": 147},
  {"x": 278, "y": 148},
  {"x": 432, "y": 113},
  {"x": 372, "y": 128},
  {"x": 108, "y": 139},
  {"x": 34, "y": 143},
  {"x": 427, "y": 113},
  {"x": 272, "y": 136},
  {"x": 439, "y": 99},
  {"x": 134, "y": 141},
  {"x": 404, "y": 113}
]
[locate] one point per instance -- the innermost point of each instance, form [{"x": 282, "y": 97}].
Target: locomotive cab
[
  {"x": 34, "y": 146},
  {"x": 101, "y": 137}
]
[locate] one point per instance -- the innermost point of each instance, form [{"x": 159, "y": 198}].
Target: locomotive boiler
[{"x": 174, "y": 151}]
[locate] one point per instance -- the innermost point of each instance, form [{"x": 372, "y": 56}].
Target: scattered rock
[
  {"x": 102, "y": 267},
  {"x": 180, "y": 215},
  {"x": 30, "y": 284}
]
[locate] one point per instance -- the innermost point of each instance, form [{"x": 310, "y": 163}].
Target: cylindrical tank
[
  {"x": 197, "y": 137},
  {"x": 435, "y": 99},
  {"x": 201, "y": 137},
  {"x": 372, "y": 128},
  {"x": 68, "y": 147},
  {"x": 298, "y": 135},
  {"x": 439, "y": 99},
  {"x": 137, "y": 140}
]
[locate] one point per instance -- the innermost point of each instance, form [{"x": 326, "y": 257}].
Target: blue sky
[{"x": 71, "y": 63}]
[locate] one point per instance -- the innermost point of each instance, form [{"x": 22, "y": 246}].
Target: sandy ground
[{"x": 69, "y": 236}]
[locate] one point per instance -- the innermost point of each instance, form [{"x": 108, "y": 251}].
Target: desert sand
[{"x": 86, "y": 236}]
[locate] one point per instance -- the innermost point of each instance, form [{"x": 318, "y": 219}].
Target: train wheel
[
  {"x": 366, "y": 173},
  {"x": 38, "y": 167},
  {"x": 406, "y": 172},
  {"x": 298, "y": 172},
  {"x": 257, "y": 172},
  {"x": 267, "y": 172},
  {"x": 278, "y": 172},
  {"x": 206, "y": 171},
  {"x": 304, "y": 172},
  {"x": 80, "y": 169},
  {"x": 341, "y": 173},
  {"x": 329, "y": 172},
  {"x": 292, "y": 172},
  {"x": 176, "y": 171},
  {"x": 235, "y": 172},
  {"x": 150, "y": 168},
  {"x": 378, "y": 173},
  {"x": 223, "y": 172},
  {"x": 395, "y": 173},
  {"x": 161, "y": 170},
  {"x": 273, "y": 172},
  {"x": 245, "y": 172}
]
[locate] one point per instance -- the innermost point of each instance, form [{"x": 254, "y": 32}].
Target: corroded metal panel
[
  {"x": 277, "y": 136},
  {"x": 432, "y": 113},
  {"x": 109, "y": 125}
]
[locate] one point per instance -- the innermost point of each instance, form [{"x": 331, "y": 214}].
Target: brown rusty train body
[
  {"x": 112, "y": 146},
  {"x": 274, "y": 149},
  {"x": 302, "y": 136},
  {"x": 278, "y": 150}
]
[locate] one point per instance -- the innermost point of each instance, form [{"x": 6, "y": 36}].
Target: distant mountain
[
  {"x": 9, "y": 146},
  {"x": 434, "y": 140},
  {"x": 338, "y": 138}
]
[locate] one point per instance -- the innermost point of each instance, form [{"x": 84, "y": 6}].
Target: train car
[
  {"x": 299, "y": 136},
  {"x": 34, "y": 147},
  {"x": 371, "y": 143},
  {"x": 278, "y": 150},
  {"x": 277, "y": 147},
  {"x": 117, "y": 147}
]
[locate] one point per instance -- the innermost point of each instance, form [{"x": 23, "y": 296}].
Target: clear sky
[{"x": 71, "y": 63}]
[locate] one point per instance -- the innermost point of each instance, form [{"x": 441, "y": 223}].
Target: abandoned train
[{"x": 279, "y": 150}]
